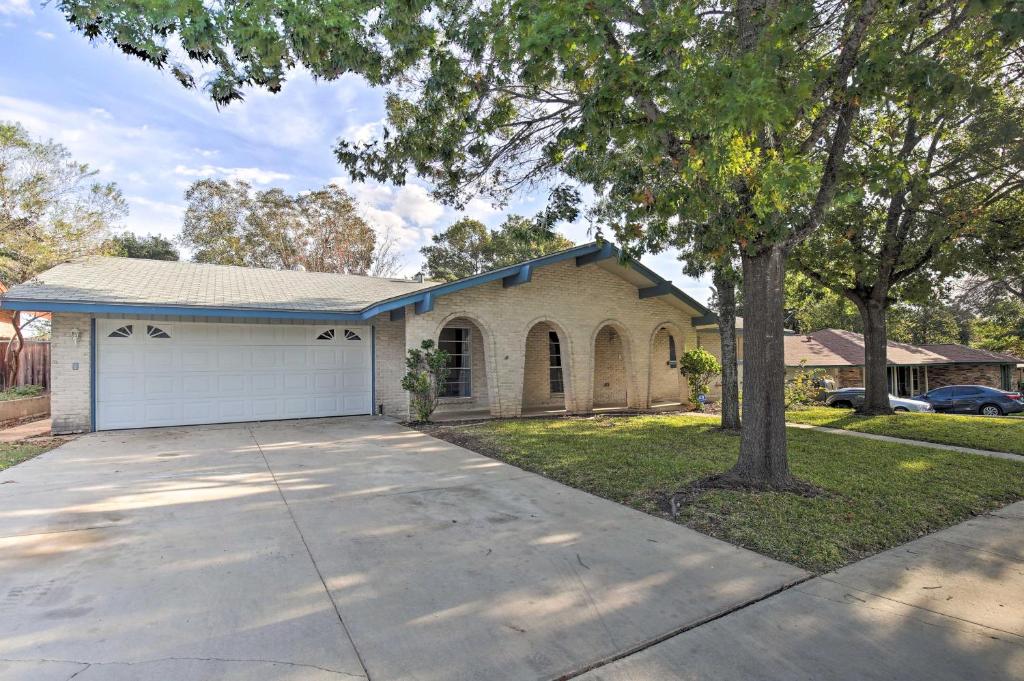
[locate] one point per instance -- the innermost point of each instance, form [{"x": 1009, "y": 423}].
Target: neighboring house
[
  {"x": 151, "y": 343},
  {"x": 913, "y": 369},
  {"x": 6, "y": 327}
]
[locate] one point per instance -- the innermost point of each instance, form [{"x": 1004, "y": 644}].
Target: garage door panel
[
  {"x": 266, "y": 358},
  {"x": 160, "y": 386},
  {"x": 220, "y": 372},
  {"x": 118, "y": 386},
  {"x": 118, "y": 359},
  {"x": 198, "y": 359},
  {"x": 263, "y": 384}
]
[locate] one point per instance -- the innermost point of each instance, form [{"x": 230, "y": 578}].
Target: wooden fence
[{"x": 34, "y": 368}]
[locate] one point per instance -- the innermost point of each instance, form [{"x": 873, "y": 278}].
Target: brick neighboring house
[
  {"x": 913, "y": 369},
  {"x": 140, "y": 343}
]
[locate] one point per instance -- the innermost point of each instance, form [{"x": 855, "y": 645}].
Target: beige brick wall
[
  {"x": 610, "y": 385},
  {"x": 579, "y": 302},
  {"x": 389, "y": 342},
  {"x": 70, "y": 369},
  {"x": 666, "y": 382},
  {"x": 536, "y": 373}
]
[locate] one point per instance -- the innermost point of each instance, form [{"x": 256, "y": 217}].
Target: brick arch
[
  {"x": 629, "y": 361},
  {"x": 568, "y": 358},
  {"x": 490, "y": 353},
  {"x": 656, "y": 382}
]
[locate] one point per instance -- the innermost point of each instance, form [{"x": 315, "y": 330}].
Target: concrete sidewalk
[
  {"x": 23, "y": 431},
  {"x": 905, "y": 441},
  {"x": 946, "y": 606}
]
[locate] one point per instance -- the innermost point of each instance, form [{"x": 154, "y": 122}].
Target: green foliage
[
  {"x": 20, "y": 392},
  {"x": 52, "y": 208},
  {"x": 811, "y": 307},
  {"x": 150, "y": 247},
  {"x": 467, "y": 247},
  {"x": 878, "y": 494},
  {"x": 13, "y": 453},
  {"x": 228, "y": 224},
  {"x": 699, "y": 366},
  {"x": 805, "y": 387},
  {"x": 426, "y": 373}
]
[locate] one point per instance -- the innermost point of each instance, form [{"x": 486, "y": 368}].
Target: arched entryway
[
  {"x": 546, "y": 368},
  {"x": 666, "y": 384},
  {"x": 611, "y": 373},
  {"x": 467, "y": 388}
]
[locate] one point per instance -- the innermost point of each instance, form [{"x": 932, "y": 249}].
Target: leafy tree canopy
[
  {"x": 150, "y": 247},
  {"x": 226, "y": 223},
  {"x": 52, "y": 208},
  {"x": 467, "y": 247}
]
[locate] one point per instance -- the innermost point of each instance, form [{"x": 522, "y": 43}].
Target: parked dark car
[{"x": 974, "y": 399}]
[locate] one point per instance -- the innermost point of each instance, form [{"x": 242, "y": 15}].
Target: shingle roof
[
  {"x": 834, "y": 347},
  {"x": 102, "y": 279},
  {"x": 962, "y": 353}
]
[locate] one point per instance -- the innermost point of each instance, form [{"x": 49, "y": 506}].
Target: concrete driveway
[{"x": 332, "y": 549}]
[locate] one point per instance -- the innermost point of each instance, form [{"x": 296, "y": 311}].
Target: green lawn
[
  {"x": 996, "y": 434},
  {"x": 13, "y": 453},
  {"x": 878, "y": 494}
]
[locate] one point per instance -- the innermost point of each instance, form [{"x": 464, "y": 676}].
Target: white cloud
[
  {"x": 414, "y": 203},
  {"x": 250, "y": 175},
  {"x": 363, "y": 133},
  {"x": 45, "y": 35},
  {"x": 16, "y": 8}
]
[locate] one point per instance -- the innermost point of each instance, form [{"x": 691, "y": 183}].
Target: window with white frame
[
  {"x": 455, "y": 341},
  {"x": 555, "y": 381}
]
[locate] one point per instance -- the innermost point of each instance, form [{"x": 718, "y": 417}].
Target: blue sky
[{"x": 140, "y": 129}]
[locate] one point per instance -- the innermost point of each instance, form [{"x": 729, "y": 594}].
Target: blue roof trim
[{"x": 422, "y": 299}]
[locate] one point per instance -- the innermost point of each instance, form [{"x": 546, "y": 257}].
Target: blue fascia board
[
  {"x": 425, "y": 304},
  {"x": 604, "y": 252},
  {"x": 662, "y": 289},
  {"x": 523, "y": 276}
]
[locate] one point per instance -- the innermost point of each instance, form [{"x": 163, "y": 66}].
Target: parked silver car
[{"x": 850, "y": 398}]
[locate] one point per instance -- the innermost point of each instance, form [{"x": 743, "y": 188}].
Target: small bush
[
  {"x": 699, "y": 366},
  {"x": 20, "y": 392},
  {"x": 426, "y": 372},
  {"x": 806, "y": 386}
]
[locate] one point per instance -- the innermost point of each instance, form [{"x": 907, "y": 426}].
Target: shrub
[
  {"x": 699, "y": 366},
  {"x": 426, "y": 372},
  {"x": 20, "y": 392},
  {"x": 806, "y": 387}
]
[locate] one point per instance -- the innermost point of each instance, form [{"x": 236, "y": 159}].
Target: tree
[
  {"x": 811, "y": 307},
  {"x": 426, "y": 372},
  {"x": 150, "y": 247},
  {"x": 467, "y": 247},
  {"x": 52, "y": 209},
  {"x": 699, "y": 366},
  {"x": 995, "y": 251},
  {"x": 722, "y": 123},
  {"x": 926, "y": 169},
  {"x": 226, "y": 223}
]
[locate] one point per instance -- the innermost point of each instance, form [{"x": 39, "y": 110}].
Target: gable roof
[
  {"x": 962, "y": 353},
  {"x": 837, "y": 348},
  {"x": 102, "y": 284}
]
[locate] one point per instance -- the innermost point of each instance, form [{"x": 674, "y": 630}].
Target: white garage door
[{"x": 155, "y": 373}]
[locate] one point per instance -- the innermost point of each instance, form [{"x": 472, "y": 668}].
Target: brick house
[
  {"x": 913, "y": 369},
  {"x": 138, "y": 343}
]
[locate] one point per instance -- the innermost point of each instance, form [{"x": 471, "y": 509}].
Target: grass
[
  {"x": 20, "y": 392},
  {"x": 995, "y": 434},
  {"x": 13, "y": 453},
  {"x": 878, "y": 494}
]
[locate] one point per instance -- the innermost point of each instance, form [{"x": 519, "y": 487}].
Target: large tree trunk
[
  {"x": 12, "y": 360},
  {"x": 725, "y": 287},
  {"x": 763, "y": 462},
  {"x": 876, "y": 370}
]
